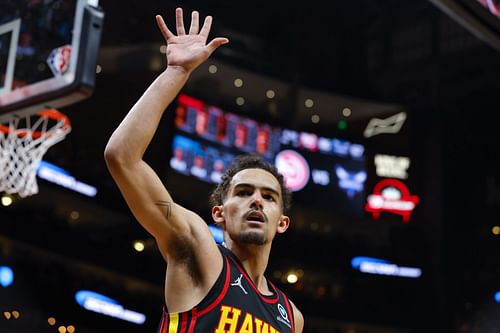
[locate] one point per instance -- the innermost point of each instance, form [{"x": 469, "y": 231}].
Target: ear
[
  {"x": 283, "y": 224},
  {"x": 218, "y": 216}
]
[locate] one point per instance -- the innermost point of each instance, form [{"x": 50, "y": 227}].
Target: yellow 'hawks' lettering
[{"x": 228, "y": 322}]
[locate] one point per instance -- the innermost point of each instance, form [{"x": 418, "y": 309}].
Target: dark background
[{"x": 376, "y": 57}]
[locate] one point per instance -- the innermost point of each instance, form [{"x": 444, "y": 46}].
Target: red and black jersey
[{"x": 233, "y": 304}]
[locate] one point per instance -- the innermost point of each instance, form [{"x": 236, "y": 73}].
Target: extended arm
[{"x": 142, "y": 189}]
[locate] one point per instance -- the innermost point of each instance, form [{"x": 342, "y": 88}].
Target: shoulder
[{"x": 298, "y": 317}]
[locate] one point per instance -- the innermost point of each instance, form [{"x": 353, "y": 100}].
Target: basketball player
[{"x": 208, "y": 288}]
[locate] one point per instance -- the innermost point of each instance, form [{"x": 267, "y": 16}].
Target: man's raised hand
[{"x": 188, "y": 51}]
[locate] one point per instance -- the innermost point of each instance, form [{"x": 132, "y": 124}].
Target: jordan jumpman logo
[{"x": 237, "y": 282}]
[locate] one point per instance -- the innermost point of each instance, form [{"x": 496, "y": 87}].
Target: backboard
[{"x": 48, "y": 53}]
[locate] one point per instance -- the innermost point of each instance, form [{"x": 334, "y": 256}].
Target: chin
[{"x": 252, "y": 237}]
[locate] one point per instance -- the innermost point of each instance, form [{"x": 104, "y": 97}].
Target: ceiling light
[
  {"x": 212, "y": 69},
  {"x": 139, "y": 246},
  {"x": 292, "y": 278},
  {"x": 6, "y": 200},
  {"x": 240, "y": 101},
  {"x": 346, "y": 112},
  {"x": 270, "y": 94},
  {"x": 74, "y": 215},
  {"x": 495, "y": 230},
  {"x": 238, "y": 83}
]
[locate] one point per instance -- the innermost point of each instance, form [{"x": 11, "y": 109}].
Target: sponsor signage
[
  {"x": 390, "y": 125},
  {"x": 392, "y": 166},
  {"x": 383, "y": 267},
  {"x": 95, "y": 302},
  {"x": 392, "y": 196},
  {"x": 61, "y": 177}
]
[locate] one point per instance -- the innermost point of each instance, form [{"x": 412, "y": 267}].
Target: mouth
[{"x": 255, "y": 217}]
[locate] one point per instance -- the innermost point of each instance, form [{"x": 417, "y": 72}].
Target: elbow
[
  {"x": 113, "y": 156},
  {"x": 119, "y": 156}
]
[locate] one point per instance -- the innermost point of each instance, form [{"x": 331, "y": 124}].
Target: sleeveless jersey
[{"x": 233, "y": 305}]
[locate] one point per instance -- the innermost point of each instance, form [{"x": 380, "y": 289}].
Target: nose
[{"x": 256, "y": 200}]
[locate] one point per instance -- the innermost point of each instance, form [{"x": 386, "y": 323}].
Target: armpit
[{"x": 181, "y": 250}]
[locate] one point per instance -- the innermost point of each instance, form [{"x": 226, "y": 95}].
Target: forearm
[{"x": 130, "y": 140}]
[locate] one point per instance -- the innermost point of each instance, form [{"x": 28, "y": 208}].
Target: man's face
[{"x": 253, "y": 207}]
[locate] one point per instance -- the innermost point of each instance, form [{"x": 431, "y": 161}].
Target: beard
[{"x": 252, "y": 237}]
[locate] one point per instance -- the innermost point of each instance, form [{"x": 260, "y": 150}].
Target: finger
[
  {"x": 205, "y": 30},
  {"x": 215, "y": 43},
  {"x": 195, "y": 25},
  {"x": 179, "y": 21},
  {"x": 167, "y": 34}
]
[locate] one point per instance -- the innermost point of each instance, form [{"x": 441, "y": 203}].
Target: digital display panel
[{"x": 320, "y": 171}]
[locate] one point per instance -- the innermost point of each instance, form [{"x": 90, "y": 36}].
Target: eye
[
  {"x": 243, "y": 193},
  {"x": 269, "y": 197}
]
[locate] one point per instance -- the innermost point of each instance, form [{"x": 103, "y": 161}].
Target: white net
[{"x": 23, "y": 142}]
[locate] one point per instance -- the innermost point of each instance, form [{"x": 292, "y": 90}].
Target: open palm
[{"x": 191, "y": 49}]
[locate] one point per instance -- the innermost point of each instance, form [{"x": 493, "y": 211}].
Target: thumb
[{"x": 216, "y": 42}]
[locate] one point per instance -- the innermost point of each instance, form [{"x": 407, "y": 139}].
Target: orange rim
[{"x": 47, "y": 113}]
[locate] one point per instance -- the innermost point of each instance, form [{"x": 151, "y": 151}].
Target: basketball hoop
[{"x": 23, "y": 142}]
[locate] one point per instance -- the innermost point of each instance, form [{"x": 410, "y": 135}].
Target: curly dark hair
[{"x": 249, "y": 161}]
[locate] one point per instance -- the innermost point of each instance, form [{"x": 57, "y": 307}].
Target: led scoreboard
[{"x": 328, "y": 172}]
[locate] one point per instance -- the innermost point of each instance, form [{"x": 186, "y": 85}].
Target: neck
[{"x": 254, "y": 259}]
